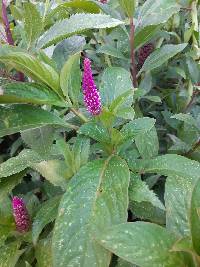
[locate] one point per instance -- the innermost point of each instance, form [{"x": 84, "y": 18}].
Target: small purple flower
[
  {"x": 91, "y": 94},
  {"x": 20, "y": 213}
]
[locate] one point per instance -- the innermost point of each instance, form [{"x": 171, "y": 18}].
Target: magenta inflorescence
[
  {"x": 104, "y": 1},
  {"x": 20, "y": 213},
  {"x": 144, "y": 52},
  {"x": 91, "y": 94}
]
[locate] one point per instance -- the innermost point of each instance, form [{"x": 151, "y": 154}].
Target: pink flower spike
[
  {"x": 21, "y": 216},
  {"x": 91, "y": 94}
]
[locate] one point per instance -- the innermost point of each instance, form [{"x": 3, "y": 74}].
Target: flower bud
[
  {"x": 92, "y": 98},
  {"x": 20, "y": 213}
]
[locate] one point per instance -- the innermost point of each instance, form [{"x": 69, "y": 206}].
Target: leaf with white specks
[
  {"x": 77, "y": 23},
  {"x": 139, "y": 192},
  {"x": 168, "y": 164},
  {"x": 137, "y": 127},
  {"x": 161, "y": 55},
  {"x": 97, "y": 197},
  {"x": 10, "y": 254},
  {"x": 194, "y": 216},
  {"x": 142, "y": 243},
  {"x": 155, "y": 12},
  {"x": 115, "y": 81},
  {"x": 32, "y": 23},
  {"x": 43, "y": 253},
  {"x": 16, "y": 118},
  {"x": 178, "y": 192},
  {"x": 95, "y": 131}
]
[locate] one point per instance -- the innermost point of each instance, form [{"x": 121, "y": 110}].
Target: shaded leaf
[
  {"x": 55, "y": 171},
  {"x": 66, "y": 48},
  {"x": 46, "y": 214},
  {"x": 6, "y": 185},
  {"x": 139, "y": 192},
  {"x": 39, "y": 139},
  {"x": 10, "y": 254}
]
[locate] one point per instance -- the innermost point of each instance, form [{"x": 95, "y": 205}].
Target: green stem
[
  {"x": 79, "y": 114},
  {"x": 71, "y": 126}
]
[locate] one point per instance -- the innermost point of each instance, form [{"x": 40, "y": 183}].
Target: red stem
[
  {"x": 9, "y": 38},
  {"x": 6, "y": 24},
  {"x": 133, "y": 66}
]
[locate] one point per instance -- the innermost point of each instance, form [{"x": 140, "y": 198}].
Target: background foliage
[{"x": 119, "y": 189}]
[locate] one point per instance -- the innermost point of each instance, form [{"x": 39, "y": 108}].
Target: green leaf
[
  {"x": 194, "y": 217},
  {"x": 127, "y": 113},
  {"x": 31, "y": 66},
  {"x": 147, "y": 143},
  {"x": 143, "y": 36},
  {"x": 46, "y": 214},
  {"x": 39, "y": 139},
  {"x": 187, "y": 118},
  {"x": 16, "y": 118},
  {"x": 120, "y": 100},
  {"x": 6, "y": 185},
  {"x": 178, "y": 192},
  {"x": 19, "y": 163},
  {"x": 10, "y": 254},
  {"x": 153, "y": 98},
  {"x": 123, "y": 263},
  {"x": 137, "y": 127},
  {"x": 97, "y": 197},
  {"x": 128, "y": 6},
  {"x": 167, "y": 165},
  {"x": 77, "y": 23},
  {"x": 141, "y": 243},
  {"x": 6, "y": 213},
  {"x": 23, "y": 92},
  {"x": 55, "y": 171},
  {"x": 139, "y": 192},
  {"x": 32, "y": 23},
  {"x": 155, "y": 12},
  {"x": 146, "y": 211},
  {"x": 70, "y": 78},
  {"x": 81, "y": 150},
  {"x": 95, "y": 131},
  {"x": 4, "y": 233},
  {"x": 43, "y": 253},
  {"x": 67, "y": 48},
  {"x": 161, "y": 55},
  {"x": 111, "y": 51},
  {"x": 114, "y": 82},
  {"x": 85, "y": 5}
]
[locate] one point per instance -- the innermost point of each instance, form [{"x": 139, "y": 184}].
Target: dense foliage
[{"x": 100, "y": 133}]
